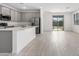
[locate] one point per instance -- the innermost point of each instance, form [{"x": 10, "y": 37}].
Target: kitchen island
[{"x": 13, "y": 40}]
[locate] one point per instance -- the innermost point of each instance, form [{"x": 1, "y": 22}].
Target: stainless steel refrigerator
[{"x": 36, "y": 22}]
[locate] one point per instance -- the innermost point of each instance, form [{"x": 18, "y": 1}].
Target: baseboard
[{"x": 5, "y": 54}]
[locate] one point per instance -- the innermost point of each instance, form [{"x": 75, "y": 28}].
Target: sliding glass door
[{"x": 58, "y": 22}]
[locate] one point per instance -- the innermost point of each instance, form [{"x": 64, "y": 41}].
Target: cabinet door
[
  {"x": 0, "y": 9},
  {"x": 5, "y": 11},
  {"x": 12, "y": 15},
  {"x": 15, "y": 15},
  {"x": 18, "y": 16}
]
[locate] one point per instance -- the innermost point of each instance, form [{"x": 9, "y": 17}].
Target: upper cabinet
[
  {"x": 8, "y": 14},
  {"x": 0, "y": 9},
  {"x": 15, "y": 15},
  {"x": 12, "y": 15},
  {"x": 18, "y": 16},
  {"x": 5, "y": 11}
]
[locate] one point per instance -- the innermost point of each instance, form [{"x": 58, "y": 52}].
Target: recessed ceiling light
[
  {"x": 67, "y": 7},
  {"x": 24, "y": 7}
]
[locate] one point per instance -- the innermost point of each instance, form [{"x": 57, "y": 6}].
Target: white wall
[
  {"x": 68, "y": 22},
  {"x": 47, "y": 21},
  {"x": 76, "y": 28}
]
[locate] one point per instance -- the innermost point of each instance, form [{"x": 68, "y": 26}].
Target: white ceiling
[{"x": 53, "y": 7}]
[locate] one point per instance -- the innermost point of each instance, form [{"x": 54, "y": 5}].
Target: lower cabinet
[{"x": 22, "y": 38}]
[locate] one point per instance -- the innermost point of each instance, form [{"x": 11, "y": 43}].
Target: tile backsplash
[{"x": 16, "y": 23}]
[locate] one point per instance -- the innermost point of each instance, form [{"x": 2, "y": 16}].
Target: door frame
[{"x": 63, "y": 20}]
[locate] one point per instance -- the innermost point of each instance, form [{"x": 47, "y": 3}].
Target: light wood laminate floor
[{"x": 56, "y": 43}]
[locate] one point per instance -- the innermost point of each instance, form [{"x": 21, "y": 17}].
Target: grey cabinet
[{"x": 5, "y": 41}]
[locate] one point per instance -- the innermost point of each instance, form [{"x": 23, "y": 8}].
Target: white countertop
[{"x": 16, "y": 28}]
